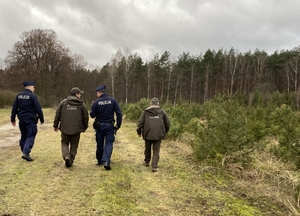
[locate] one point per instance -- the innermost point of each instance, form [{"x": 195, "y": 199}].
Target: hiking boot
[
  {"x": 155, "y": 169},
  {"x": 146, "y": 164},
  {"x": 106, "y": 166},
  {"x": 68, "y": 163},
  {"x": 27, "y": 157}
]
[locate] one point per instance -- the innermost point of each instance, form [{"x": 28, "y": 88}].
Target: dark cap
[
  {"x": 28, "y": 83},
  {"x": 100, "y": 88},
  {"x": 76, "y": 90}
]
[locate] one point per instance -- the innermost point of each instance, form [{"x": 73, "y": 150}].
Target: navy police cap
[
  {"x": 28, "y": 83},
  {"x": 100, "y": 88}
]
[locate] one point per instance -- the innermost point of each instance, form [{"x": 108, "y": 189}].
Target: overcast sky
[{"x": 96, "y": 29}]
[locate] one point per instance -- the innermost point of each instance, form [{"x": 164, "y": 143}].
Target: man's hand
[
  {"x": 55, "y": 129},
  {"x": 13, "y": 124},
  {"x": 116, "y": 128}
]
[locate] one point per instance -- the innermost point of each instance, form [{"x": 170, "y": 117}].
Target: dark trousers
[
  {"x": 28, "y": 130},
  {"x": 69, "y": 145},
  {"x": 105, "y": 138},
  {"x": 155, "y": 146}
]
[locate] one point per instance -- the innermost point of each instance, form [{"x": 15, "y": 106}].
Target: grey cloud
[{"x": 96, "y": 29}]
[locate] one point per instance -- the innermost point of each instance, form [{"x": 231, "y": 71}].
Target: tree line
[{"x": 40, "y": 56}]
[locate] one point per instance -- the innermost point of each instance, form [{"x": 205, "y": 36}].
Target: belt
[{"x": 105, "y": 123}]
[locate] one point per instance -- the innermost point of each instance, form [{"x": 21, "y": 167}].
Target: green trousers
[
  {"x": 152, "y": 146},
  {"x": 69, "y": 145}
]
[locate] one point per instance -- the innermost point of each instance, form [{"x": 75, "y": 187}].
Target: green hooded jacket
[
  {"x": 71, "y": 116},
  {"x": 154, "y": 123}
]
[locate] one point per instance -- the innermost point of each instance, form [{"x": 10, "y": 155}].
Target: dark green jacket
[
  {"x": 153, "y": 123},
  {"x": 71, "y": 116}
]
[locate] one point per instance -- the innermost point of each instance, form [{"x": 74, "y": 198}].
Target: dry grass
[
  {"x": 4, "y": 116},
  {"x": 181, "y": 187},
  {"x": 272, "y": 178}
]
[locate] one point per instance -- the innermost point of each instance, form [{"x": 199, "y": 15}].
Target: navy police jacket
[
  {"x": 104, "y": 109},
  {"x": 27, "y": 107}
]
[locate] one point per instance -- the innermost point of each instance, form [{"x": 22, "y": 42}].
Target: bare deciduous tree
[
  {"x": 128, "y": 65},
  {"x": 39, "y": 56},
  {"x": 113, "y": 67}
]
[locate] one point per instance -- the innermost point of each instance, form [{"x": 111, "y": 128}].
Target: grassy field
[{"x": 181, "y": 187}]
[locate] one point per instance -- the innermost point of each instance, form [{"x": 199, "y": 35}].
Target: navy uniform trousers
[
  {"x": 28, "y": 130},
  {"x": 104, "y": 132}
]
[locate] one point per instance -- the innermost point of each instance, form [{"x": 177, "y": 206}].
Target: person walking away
[
  {"x": 71, "y": 118},
  {"x": 28, "y": 109},
  {"x": 104, "y": 110},
  {"x": 153, "y": 125}
]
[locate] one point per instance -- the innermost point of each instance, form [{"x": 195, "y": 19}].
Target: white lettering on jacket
[
  {"x": 23, "y": 97},
  {"x": 100, "y": 103},
  {"x": 154, "y": 117},
  {"x": 69, "y": 107}
]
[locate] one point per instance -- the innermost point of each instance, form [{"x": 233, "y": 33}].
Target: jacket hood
[
  {"x": 74, "y": 101},
  {"x": 153, "y": 110}
]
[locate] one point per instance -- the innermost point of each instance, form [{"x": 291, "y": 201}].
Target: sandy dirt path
[{"x": 9, "y": 135}]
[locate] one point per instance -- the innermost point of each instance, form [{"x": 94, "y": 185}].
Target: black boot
[
  {"x": 107, "y": 166},
  {"x": 27, "y": 157}
]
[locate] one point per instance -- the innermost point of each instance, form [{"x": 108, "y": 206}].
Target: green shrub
[
  {"x": 182, "y": 113},
  {"x": 285, "y": 126},
  {"x": 7, "y": 98},
  {"x": 143, "y": 103},
  {"x": 123, "y": 106},
  {"x": 225, "y": 133},
  {"x": 175, "y": 129},
  {"x": 133, "y": 112},
  {"x": 258, "y": 124},
  {"x": 194, "y": 125}
]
